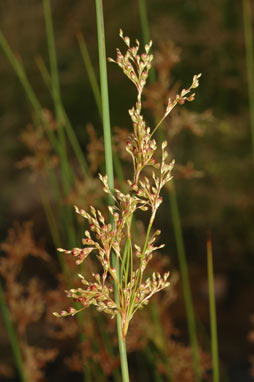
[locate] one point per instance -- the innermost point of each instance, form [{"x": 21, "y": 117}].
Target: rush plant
[{"x": 112, "y": 236}]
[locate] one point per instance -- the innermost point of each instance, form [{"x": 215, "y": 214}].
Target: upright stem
[
  {"x": 185, "y": 281},
  {"x": 12, "y": 336},
  {"x": 213, "y": 321},
  {"x": 109, "y": 162},
  {"x": 55, "y": 89},
  {"x": 90, "y": 71}
]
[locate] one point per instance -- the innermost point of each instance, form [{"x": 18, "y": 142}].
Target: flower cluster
[{"x": 116, "y": 238}]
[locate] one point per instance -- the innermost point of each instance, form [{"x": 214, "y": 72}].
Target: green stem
[
  {"x": 90, "y": 71},
  {"x": 185, "y": 281},
  {"x": 109, "y": 162},
  {"x": 97, "y": 97},
  {"x": 104, "y": 95},
  {"x": 20, "y": 72},
  {"x": 66, "y": 173},
  {"x": 160, "y": 337},
  {"x": 12, "y": 336},
  {"x": 213, "y": 321},
  {"x": 51, "y": 221},
  {"x": 248, "y": 35},
  {"x": 43, "y": 70}
]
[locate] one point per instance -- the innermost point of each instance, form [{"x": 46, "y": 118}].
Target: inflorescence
[{"x": 115, "y": 238}]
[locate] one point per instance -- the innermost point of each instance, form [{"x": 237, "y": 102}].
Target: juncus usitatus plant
[{"x": 107, "y": 238}]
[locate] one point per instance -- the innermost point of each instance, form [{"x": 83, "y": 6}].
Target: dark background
[{"x": 211, "y": 41}]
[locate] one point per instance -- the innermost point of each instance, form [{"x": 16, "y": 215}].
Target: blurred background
[{"x": 211, "y": 142}]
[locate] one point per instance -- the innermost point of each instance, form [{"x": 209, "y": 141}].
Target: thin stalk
[
  {"x": 185, "y": 281},
  {"x": 248, "y": 36},
  {"x": 104, "y": 94},
  {"x": 213, "y": 320},
  {"x": 67, "y": 124},
  {"x": 43, "y": 70},
  {"x": 20, "y": 72},
  {"x": 161, "y": 339},
  {"x": 90, "y": 71},
  {"x": 97, "y": 97},
  {"x": 75, "y": 143},
  {"x": 69, "y": 129},
  {"x": 55, "y": 89},
  {"x": 51, "y": 221},
  {"x": 32, "y": 98},
  {"x": 177, "y": 229},
  {"x": 12, "y": 336},
  {"x": 109, "y": 161},
  {"x": 63, "y": 122}
]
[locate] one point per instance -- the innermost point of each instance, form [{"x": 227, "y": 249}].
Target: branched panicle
[
  {"x": 134, "y": 65},
  {"x": 105, "y": 238}
]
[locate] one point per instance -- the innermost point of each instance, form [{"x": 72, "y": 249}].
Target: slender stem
[
  {"x": 51, "y": 221},
  {"x": 185, "y": 281},
  {"x": 66, "y": 173},
  {"x": 55, "y": 87},
  {"x": 67, "y": 124},
  {"x": 20, "y": 72},
  {"x": 161, "y": 338},
  {"x": 52, "y": 56},
  {"x": 104, "y": 94},
  {"x": 213, "y": 321},
  {"x": 249, "y": 46},
  {"x": 109, "y": 162},
  {"x": 90, "y": 71},
  {"x": 43, "y": 70},
  {"x": 97, "y": 97},
  {"x": 12, "y": 336}
]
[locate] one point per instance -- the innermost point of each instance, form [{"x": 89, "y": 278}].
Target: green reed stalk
[
  {"x": 12, "y": 336},
  {"x": 51, "y": 220},
  {"x": 248, "y": 35},
  {"x": 177, "y": 228},
  {"x": 161, "y": 338},
  {"x": 185, "y": 280},
  {"x": 63, "y": 121},
  {"x": 90, "y": 71},
  {"x": 20, "y": 72},
  {"x": 56, "y": 94},
  {"x": 109, "y": 159},
  {"x": 97, "y": 96},
  {"x": 55, "y": 87},
  {"x": 213, "y": 321},
  {"x": 43, "y": 70},
  {"x": 66, "y": 173}
]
